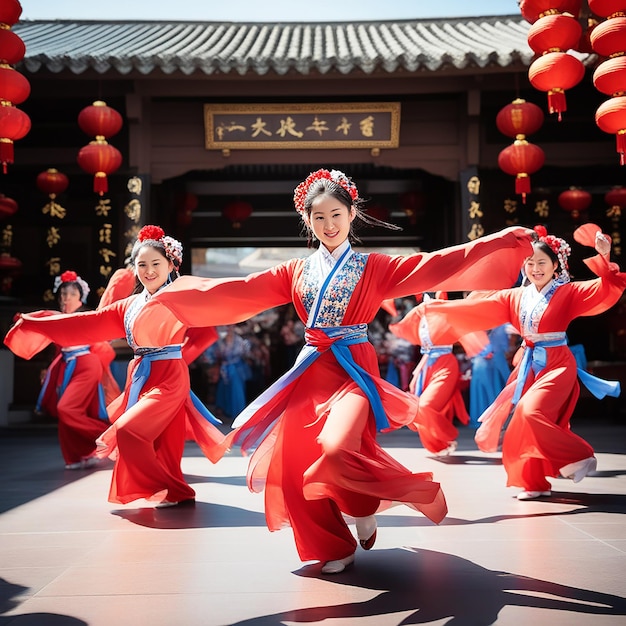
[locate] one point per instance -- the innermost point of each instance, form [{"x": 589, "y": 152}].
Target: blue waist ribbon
[
  {"x": 69, "y": 357},
  {"x": 536, "y": 357},
  {"x": 142, "y": 373},
  {"x": 342, "y": 338},
  {"x": 432, "y": 354}
]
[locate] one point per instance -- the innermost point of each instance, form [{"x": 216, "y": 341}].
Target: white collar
[{"x": 332, "y": 257}]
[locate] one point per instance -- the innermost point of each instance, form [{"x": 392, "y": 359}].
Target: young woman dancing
[
  {"x": 73, "y": 390},
  {"x": 537, "y": 403},
  {"x": 314, "y": 431},
  {"x": 152, "y": 418}
]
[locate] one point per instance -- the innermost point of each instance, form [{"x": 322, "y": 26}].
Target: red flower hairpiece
[
  {"x": 150, "y": 232},
  {"x": 69, "y": 277},
  {"x": 337, "y": 177},
  {"x": 173, "y": 247},
  {"x": 559, "y": 246}
]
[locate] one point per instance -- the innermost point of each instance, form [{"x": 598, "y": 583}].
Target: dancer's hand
[{"x": 603, "y": 244}]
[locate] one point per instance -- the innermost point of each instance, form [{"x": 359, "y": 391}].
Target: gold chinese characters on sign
[
  {"x": 306, "y": 126},
  {"x": 474, "y": 209}
]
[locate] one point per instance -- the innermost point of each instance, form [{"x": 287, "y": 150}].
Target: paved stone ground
[{"x": 70, "y": 558}]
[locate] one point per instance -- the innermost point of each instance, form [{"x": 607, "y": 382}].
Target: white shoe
[
  {"x": 336, "y": 567},
  {"x": 90, "y": 462},
  {"x": 578, "y": 470},
  {"x": 166, "y": 504},
  {"x": 366, "y": 531},
  {"x": 532, "y": 495},
  {"x": 452, "y": 446},
  {"x": 84, "y": 464}
]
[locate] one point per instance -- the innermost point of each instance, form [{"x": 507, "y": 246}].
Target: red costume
[
  {"x": 307, "y": 487},
  {"x": 538, "y": 442},
  {"x": 436, "y": 381},
  {"x": 148, "y": 437},
  {"x": 77, "y": 403}
]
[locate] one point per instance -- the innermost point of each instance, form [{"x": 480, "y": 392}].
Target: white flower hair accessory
[
  {"x": 72, "y": 277},
  {"x": 560, "y": 247},
  {"x": 173, "y": 250}
]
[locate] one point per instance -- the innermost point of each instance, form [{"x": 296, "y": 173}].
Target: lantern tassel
[
  {"x": 6, "y": 153},
  {"x": 621, "y": 146},
  {"x": 556, "y": 102},
  {"x": 522, "y": 185},
  {"x": 100, "y": 183}
]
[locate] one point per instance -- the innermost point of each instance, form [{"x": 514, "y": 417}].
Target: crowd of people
[{"x": 310, "y": 422}]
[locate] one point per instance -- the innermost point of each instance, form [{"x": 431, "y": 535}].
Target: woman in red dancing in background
[
  {"x": 543, "y": 389},
  {"x": 153, "y": 417},
  {"x": 314, "y": 431},
  {"x": 72, "y": 390},
  {"x": 436, "y": 379}
]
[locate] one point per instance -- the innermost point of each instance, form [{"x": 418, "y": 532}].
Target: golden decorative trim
[{"x": 289, "y": 130}]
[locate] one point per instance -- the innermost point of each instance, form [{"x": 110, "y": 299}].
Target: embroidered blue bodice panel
[{"x": 337, "y": 297}]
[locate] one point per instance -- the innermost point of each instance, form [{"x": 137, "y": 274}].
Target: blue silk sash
[
  {"x": 432, "y": 355},
  {"x": 536, "y": 357},
  {"x": 340, "y": 339},
  {"x": 142, "y": 373},
  {"x": 69, "y": 357}
]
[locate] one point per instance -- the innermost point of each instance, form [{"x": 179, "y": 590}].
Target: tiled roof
[{"x": 188, "y": 47}]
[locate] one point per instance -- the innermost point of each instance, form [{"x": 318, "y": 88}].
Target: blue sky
[{"x": 258, "y": 11}]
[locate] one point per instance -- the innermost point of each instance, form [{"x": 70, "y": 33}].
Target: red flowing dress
[
  {"x": 306, "y": 486},
  {"x": 148, "y": 437},
  {"x": 538, "y": 441},
  {"x": 78, "y": 408},
  {"x": 436, "y": 381}
]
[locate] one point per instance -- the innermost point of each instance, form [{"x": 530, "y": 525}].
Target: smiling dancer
[
  {"x": 537, "y": 403},
  {"x": 314, "y": 431},
  {"x": 152, "y": 418},
  {"x": 72, "y": 390}
]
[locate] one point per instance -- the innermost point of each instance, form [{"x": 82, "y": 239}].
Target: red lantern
[
  {"x": 584, "y": 44},
  {"x": 520, "y": 118},
  {"x": 12, "y": 48},
  {"x": 186, "y": 203},
  {"x": 611, "y": 118},
  {"x": 378, "y": 212},
  {"x": 52, "y": 182},
  {"x": 555, "y": 72},
  {"x": 14, "y": 124},
  {"x": 554, "y": 32},
  {"x": 412, "y": 203},
  {"x": 610, "y": 76},
  {"x": 237, "y": 212},
  {"x": 574, "y": 201},
  {"x": 9, "y": 263},
  {"x": 606, "y": 8},
  {"x": 8, "y": 206},
  {"x": 616, "y": 197},
  {"x": 10, "y": 11},
  {"x": 532, "y": 10},
  {"x": 609, "y": 37},
  {"x": 14, "y": 87},
  {"x": 100, "y": 120},
  {"x": 99, "y": 158},
  {"x": 521, "y": 159},
  {"x": 609, "y": 40}
]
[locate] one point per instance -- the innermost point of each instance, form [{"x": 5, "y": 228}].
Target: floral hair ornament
[
  {"x": 173, "y": 247},
  {"x": 559, "y": 246},
  {"x": 72, "y": 277},
  {"x": 337, "y": 177}
]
